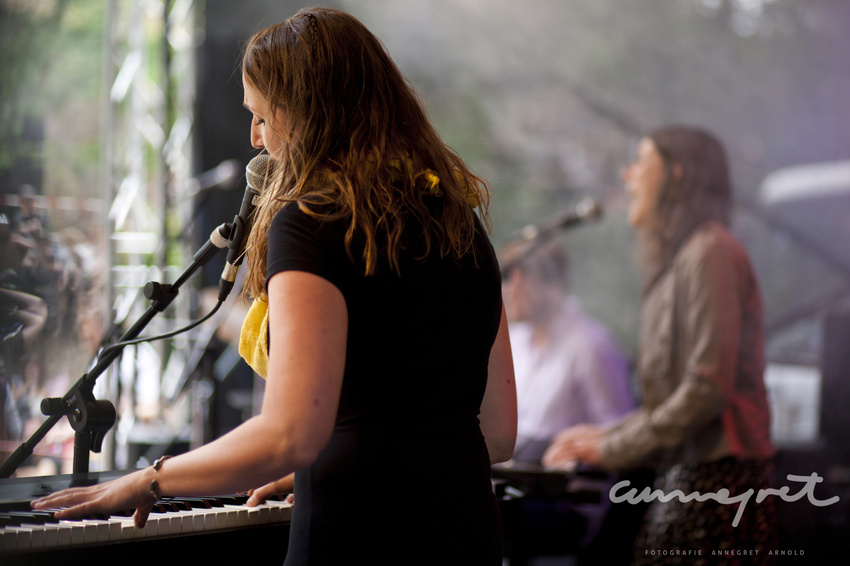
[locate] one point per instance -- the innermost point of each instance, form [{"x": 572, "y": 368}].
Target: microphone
[
  {"x": 257, "y": 174},
  {"x": 587, "y": 209}
]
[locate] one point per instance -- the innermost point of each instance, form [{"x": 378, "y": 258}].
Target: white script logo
[{"x": 722, "y": 496}]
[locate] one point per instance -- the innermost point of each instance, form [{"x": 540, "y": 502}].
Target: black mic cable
[
  {"x": 218, "y": 240},
  {"x": 233, "y": 236}
]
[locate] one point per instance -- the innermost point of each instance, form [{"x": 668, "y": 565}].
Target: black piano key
[
  {"x": 173, "y": 506},
  {"x": 179, "y": 505},
  {"x": 18, "y": 518},
  {"x": 16, "y": 505},
  {"x": 165, "y": 506},
  {"x": 195, "y": 502},
  {"x": 8, "y": 521},
  {"x": 35, "y": 517},
  {"x": 16, "y": 494},
  {"x": 232, "y": 499}
]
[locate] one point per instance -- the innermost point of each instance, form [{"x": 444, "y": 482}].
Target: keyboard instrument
[
  {"x": 576, "y": 484},
  {"x": 218, "y": 528}
]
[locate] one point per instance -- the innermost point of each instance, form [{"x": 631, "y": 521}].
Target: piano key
[
  {"x": 31, "y": 517},
  {"x": 64, "y": 541},
  {"x": 56, "y": 534},
  {"x": 36, "y": 533},
  {"x": 78, "y": 531},
  {"x": 220, "y": 518},
  {"x": 19, "y": 538},
  {"x": 237, "y": 516},
  {"x": 8, "y": 540},
  {"x": 41, "y": 531},
  {"x": 258, "y": 515},
  {"x": 104, "y": 530},
  {"x": 196, "y": 502}
]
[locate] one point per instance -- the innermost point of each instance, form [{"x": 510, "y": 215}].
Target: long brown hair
[
  {"x": 697, "y": 189},
  {"x": 357, "y": 142}
]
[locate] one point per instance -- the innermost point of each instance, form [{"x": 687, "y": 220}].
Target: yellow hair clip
[{"x": 432, "y": 182}]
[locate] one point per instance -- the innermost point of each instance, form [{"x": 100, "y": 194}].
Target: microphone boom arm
[{"x": 91, "y": 419}]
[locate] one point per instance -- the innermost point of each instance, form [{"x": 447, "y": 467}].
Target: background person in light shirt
[
  {"x": 568, "y": 366},
  {"x": 568, "y": 370}
]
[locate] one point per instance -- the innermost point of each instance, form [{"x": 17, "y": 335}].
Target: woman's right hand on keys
[{"x": 283, "y": 486}]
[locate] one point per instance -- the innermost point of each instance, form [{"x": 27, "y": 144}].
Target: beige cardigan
[{"x": 701, "y": 363}]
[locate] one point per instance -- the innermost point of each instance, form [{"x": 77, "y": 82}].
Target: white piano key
[
  {"x": 115, "y": 529},
  {"x": 35, "y": 533},
  {"x": 78, "y": 531},
  {"x": 151, "y": 528},
  {"x": 93, "y": 532},
  {"x": 209, "y": 519},
  {"x": 232, "y": 515},
  {"x": 8, "y": 540},
  {"x": 164, "y": 523},
  {"x": 198, "y": 520},
  {"x": 202, "y": 519},
  {"x": 220, "y": 518},
  {"x": 56, "y": 534},
  {"x": 183, "y": 521},
  {"x": 258, "y": 515},
  {"x": 177, "y": 523},
  {"x": 89, "y": 532},
  {"x": 169, "y": 524},
  {"x": 128, "y": 529},
  {"x": 193, "y": 521},
  {"x": 100, "y": 528},
  {"x": 22, "y": 536},
  {"x": 281, "y": 511},
  {"x": 52, "y": 534}
]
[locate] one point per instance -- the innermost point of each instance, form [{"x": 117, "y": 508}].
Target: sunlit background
[{"x": 126, "y": 119}]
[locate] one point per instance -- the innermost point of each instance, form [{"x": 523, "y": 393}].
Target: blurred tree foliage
[
  {"x": 545, "y": 98},
  {"x": 51, "y": 53}
]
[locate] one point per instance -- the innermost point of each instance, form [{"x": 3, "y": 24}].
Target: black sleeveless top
[{"x": 405, "y": 478}]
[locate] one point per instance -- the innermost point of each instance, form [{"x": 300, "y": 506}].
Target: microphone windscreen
[{"x": 259, "y": 170}]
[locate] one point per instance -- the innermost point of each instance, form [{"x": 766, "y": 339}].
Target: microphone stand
[{"x": 90, "y": 418}]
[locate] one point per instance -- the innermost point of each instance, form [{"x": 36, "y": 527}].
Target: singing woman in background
[
  {"x": 704, "y": 423},
  {"x": 376, "y": 318}
]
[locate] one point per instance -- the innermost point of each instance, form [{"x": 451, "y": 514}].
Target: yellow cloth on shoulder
[{"x": 253, "y": 339}]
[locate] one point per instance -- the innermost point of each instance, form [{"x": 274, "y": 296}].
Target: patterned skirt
[{"x": 710, "y": 532}]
